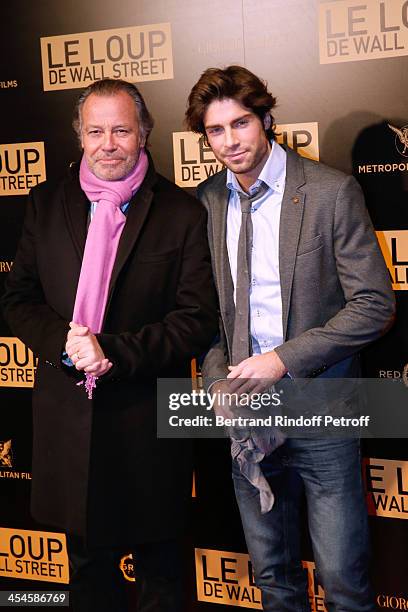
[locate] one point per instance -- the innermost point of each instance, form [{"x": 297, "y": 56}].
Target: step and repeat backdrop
[{"x": 340, "y": 72}]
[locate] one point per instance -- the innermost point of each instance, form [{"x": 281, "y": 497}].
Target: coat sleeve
[
  {"x": 186, "y": 331},
  {"x": 369, "y": 300},
  {"x": 29, "y": 317}
]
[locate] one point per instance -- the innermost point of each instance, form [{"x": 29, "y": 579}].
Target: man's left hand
[
  {"x": 256, "y": 373},
  {"x": 85, "y": 351}
]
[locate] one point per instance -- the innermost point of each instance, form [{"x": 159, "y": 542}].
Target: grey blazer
[{"x": 336, "y": 291}]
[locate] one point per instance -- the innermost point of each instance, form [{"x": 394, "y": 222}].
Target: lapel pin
[{"x": 295, "y": 200}]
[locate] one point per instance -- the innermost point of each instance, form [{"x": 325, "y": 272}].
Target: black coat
[{"x": 98, "y": 468}]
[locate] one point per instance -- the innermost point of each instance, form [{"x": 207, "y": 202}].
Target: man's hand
[
  {"x": 256, "y": 373},
  {"x": 85, "y": 352}
]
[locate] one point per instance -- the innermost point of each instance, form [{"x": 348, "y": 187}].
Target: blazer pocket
[
  {"x": 308, "y": 246},
  {"x": 162, "y": 256}
]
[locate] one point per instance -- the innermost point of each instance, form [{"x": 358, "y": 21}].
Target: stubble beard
[{"x": 116, "y": 173}]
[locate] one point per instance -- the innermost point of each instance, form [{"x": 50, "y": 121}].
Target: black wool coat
[{"x": 99, "y": 470}]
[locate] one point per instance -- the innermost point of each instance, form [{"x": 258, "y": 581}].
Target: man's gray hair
[{"x": 111, "y": 87}]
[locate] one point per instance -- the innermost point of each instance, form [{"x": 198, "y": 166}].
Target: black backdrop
[{"x": 339, "y": 70}]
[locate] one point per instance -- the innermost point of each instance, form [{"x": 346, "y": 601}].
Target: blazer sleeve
[
  {"x": 216, "y": 361},
  {"x": 369, "y": 300},
  {"x": 186, "y": 331},
  {"x": 29, "y": 317}
]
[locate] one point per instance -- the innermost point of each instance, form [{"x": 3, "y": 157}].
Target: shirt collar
[
  {"x": 273, "y": 173},
  {"x": 123, "y": 207}
]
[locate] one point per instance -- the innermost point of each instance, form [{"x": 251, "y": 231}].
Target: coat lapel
[
  {"x": 138, "y": 210},
  {"x": 289, "y": 230},
  {"x": 76, "y": 206}
]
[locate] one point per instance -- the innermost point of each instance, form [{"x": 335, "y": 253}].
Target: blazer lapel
[
  {"x": 219, "y": 205},
  {"x": 289, "y": 230},
  {"x": 289, "y": 233}
]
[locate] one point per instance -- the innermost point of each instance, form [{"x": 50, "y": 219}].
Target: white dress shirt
[{"x": 265, "y": 291}]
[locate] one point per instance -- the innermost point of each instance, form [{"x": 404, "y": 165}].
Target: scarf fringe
[{"x": 90, "y": 384}]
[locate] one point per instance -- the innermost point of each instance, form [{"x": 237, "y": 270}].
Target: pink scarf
[{"x": 102, "y": 244}]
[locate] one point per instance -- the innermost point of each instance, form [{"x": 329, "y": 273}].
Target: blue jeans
[{"x": 329, "y": 472}]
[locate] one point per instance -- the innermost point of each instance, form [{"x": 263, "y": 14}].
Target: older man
[{"x": 111, "y": 287}]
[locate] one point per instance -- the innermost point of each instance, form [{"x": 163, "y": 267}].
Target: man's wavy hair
[
  {"x": 111, "y": 87},
  {"x": 236, "y": 83}
]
